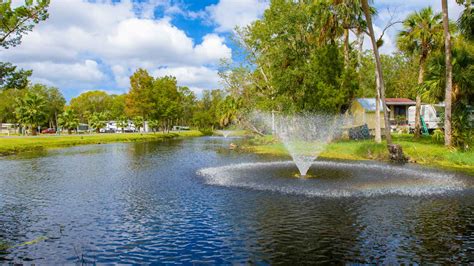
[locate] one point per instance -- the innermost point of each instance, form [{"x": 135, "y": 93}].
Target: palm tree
[
  {"x": 378, "y": 65},
  {"x": 421, "y": 34},
  {"x": 449, "y": 76},
  {"x": 68, "y": 120},
  {"x": 97, "y": 121},
  {"x": 349, "y": 15},
  {"x": 31, "y": 111}
]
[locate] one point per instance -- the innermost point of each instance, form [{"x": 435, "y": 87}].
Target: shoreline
[
  {"x": 424, "y": 153},
  {"x": 11, "y": 145}
]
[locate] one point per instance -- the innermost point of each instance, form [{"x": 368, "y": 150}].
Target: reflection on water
[{"x": 144, "y": 203}]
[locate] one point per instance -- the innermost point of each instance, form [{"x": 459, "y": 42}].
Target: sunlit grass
[
  {"x": 11, "y": 145},
  {"x": 422, "y": 151}
]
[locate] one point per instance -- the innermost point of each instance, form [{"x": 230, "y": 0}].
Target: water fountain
[
  {"x": 305, "y": 136},
  {"x": 225, "y": 133}
]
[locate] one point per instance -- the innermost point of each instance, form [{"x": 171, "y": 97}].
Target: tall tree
[
  {"x": 16, "y": 22},
  {"x": 68, "y": 120},
  {"x": 91, "y": 102},
  {"x": 55, "y": 100},
  {"x": 31, "y": 111},
  {"x": 139, "y": 100},
  {"x": 421, "y": 34},
  {"x": 449, "y": 76},
  {"x": 378, "y": 67}
]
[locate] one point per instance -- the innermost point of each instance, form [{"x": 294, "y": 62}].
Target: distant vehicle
[
  {"x": 178, "y": 128},
  {"x": 428, "y": 114},
  {"x": 107, "y": 130},
  {"x": 48, "y": 131}
]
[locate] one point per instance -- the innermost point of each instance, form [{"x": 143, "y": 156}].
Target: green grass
[
  {"x": 423, "y": 151},
  {"x": 13, "y": 145}
]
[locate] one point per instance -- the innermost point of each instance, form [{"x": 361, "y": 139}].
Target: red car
[{"x": 48, "y": 131}]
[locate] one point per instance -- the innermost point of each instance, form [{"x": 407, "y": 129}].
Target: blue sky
[{"x": 97, "y": 45}]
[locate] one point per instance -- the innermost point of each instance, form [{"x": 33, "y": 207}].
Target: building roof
[
  {"x": 399, "y": 101},
  {"x": 369, "y": 104}
]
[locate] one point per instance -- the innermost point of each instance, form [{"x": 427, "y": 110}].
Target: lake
[{"x": 176, "y": 202}]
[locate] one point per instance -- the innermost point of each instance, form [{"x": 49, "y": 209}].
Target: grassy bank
[
  {"x": 423, "y": 151},
  {"x": 12, "y": 145}
]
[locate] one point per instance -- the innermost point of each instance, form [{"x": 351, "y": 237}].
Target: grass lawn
[
  {"x": 423, "y": 151},
  {"x": 15, "y": 144}
]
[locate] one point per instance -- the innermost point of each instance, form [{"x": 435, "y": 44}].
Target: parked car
[{"x": 48, "y": 131}]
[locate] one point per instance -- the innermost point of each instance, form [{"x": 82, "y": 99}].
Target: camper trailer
[{"x": 428, "y": 114}]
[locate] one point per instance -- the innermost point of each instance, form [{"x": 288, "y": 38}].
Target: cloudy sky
[{"x": 89, "y": 45}]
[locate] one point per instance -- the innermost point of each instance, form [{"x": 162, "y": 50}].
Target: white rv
[{"x": 428, "y": 113}]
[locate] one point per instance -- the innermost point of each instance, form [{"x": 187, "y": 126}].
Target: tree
[
  {"x": 154, "y": 125},
  {"x": 297, "y": 58},
  {"x": 378, "y": 65},
  {"x": 8, "y": 103},
  {"x": 91, "y": 102},
  {"x": 117, "y": 107},
  {"x": 140, "y": 99},
  {"x": 31, "y": 111},
  {"x": 122, "y": 123},
  {"x": 466, "y": 20},
  {"x": 68, "y": 120},
  {"x": 55, "y": 100},
  {"x": 11, "y": 78},
  {"x": 462, "y": 92},
  {"x": 449, "y": 76},
  {"x": 421, "y": 34},
  {"x": 14, "y": 23},
  {"x": 138, "y": 122},
  {"x": 97, "y": 121}
]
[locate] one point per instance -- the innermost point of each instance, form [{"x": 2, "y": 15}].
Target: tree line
[{"x": 299, "y": 57}]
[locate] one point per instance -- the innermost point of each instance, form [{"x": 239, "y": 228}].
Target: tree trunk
[
  {"x": 34, "y": 131},
  {"x": 360, "y": 43},
  {"x": 378, "y": 64},
  {"x": 69, "y": 131},
  {"x": 449, "y": 76},
  {"x": 421, "y": 74},
  {"x": 378, "y": 129},
  {"x": 346, "y": 48}
]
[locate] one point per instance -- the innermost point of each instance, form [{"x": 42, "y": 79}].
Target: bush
[{"x": 438, "y": 136}]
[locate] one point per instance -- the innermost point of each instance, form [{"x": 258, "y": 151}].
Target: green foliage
[
  {"x": 97, "y": 121},
  {"x": 11, "y": 78},
  {"x": 16, "y": 22},
  {"x": 122, "y": 122},
  {"x": 8, "y": 104},
  {"x": 438, "y": 136},
  {"x": 138, "y": 122},
  {"x": 297, "y": 55},
  {"x": 68, "y": 120},
  {"x": 463, "y": 88},
  {"x": 55, "y": 101},
  {"x": 91, "y": 102},
  {"x": 466, "y": 20},
  {"x": 31, "y": 110},
  {"x": 154, "y": 125},
  {"x": 422, "y": 33}
]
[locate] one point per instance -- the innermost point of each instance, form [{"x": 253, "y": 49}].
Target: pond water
[{"x": 179, "y": 201}]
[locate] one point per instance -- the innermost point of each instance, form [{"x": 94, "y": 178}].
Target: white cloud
[
  {"x": 59, "y": 73},
  {"x": 227, "y": 14},
  {"x": 193, "y": 77},
  {"x": 106, "y": 39}
]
